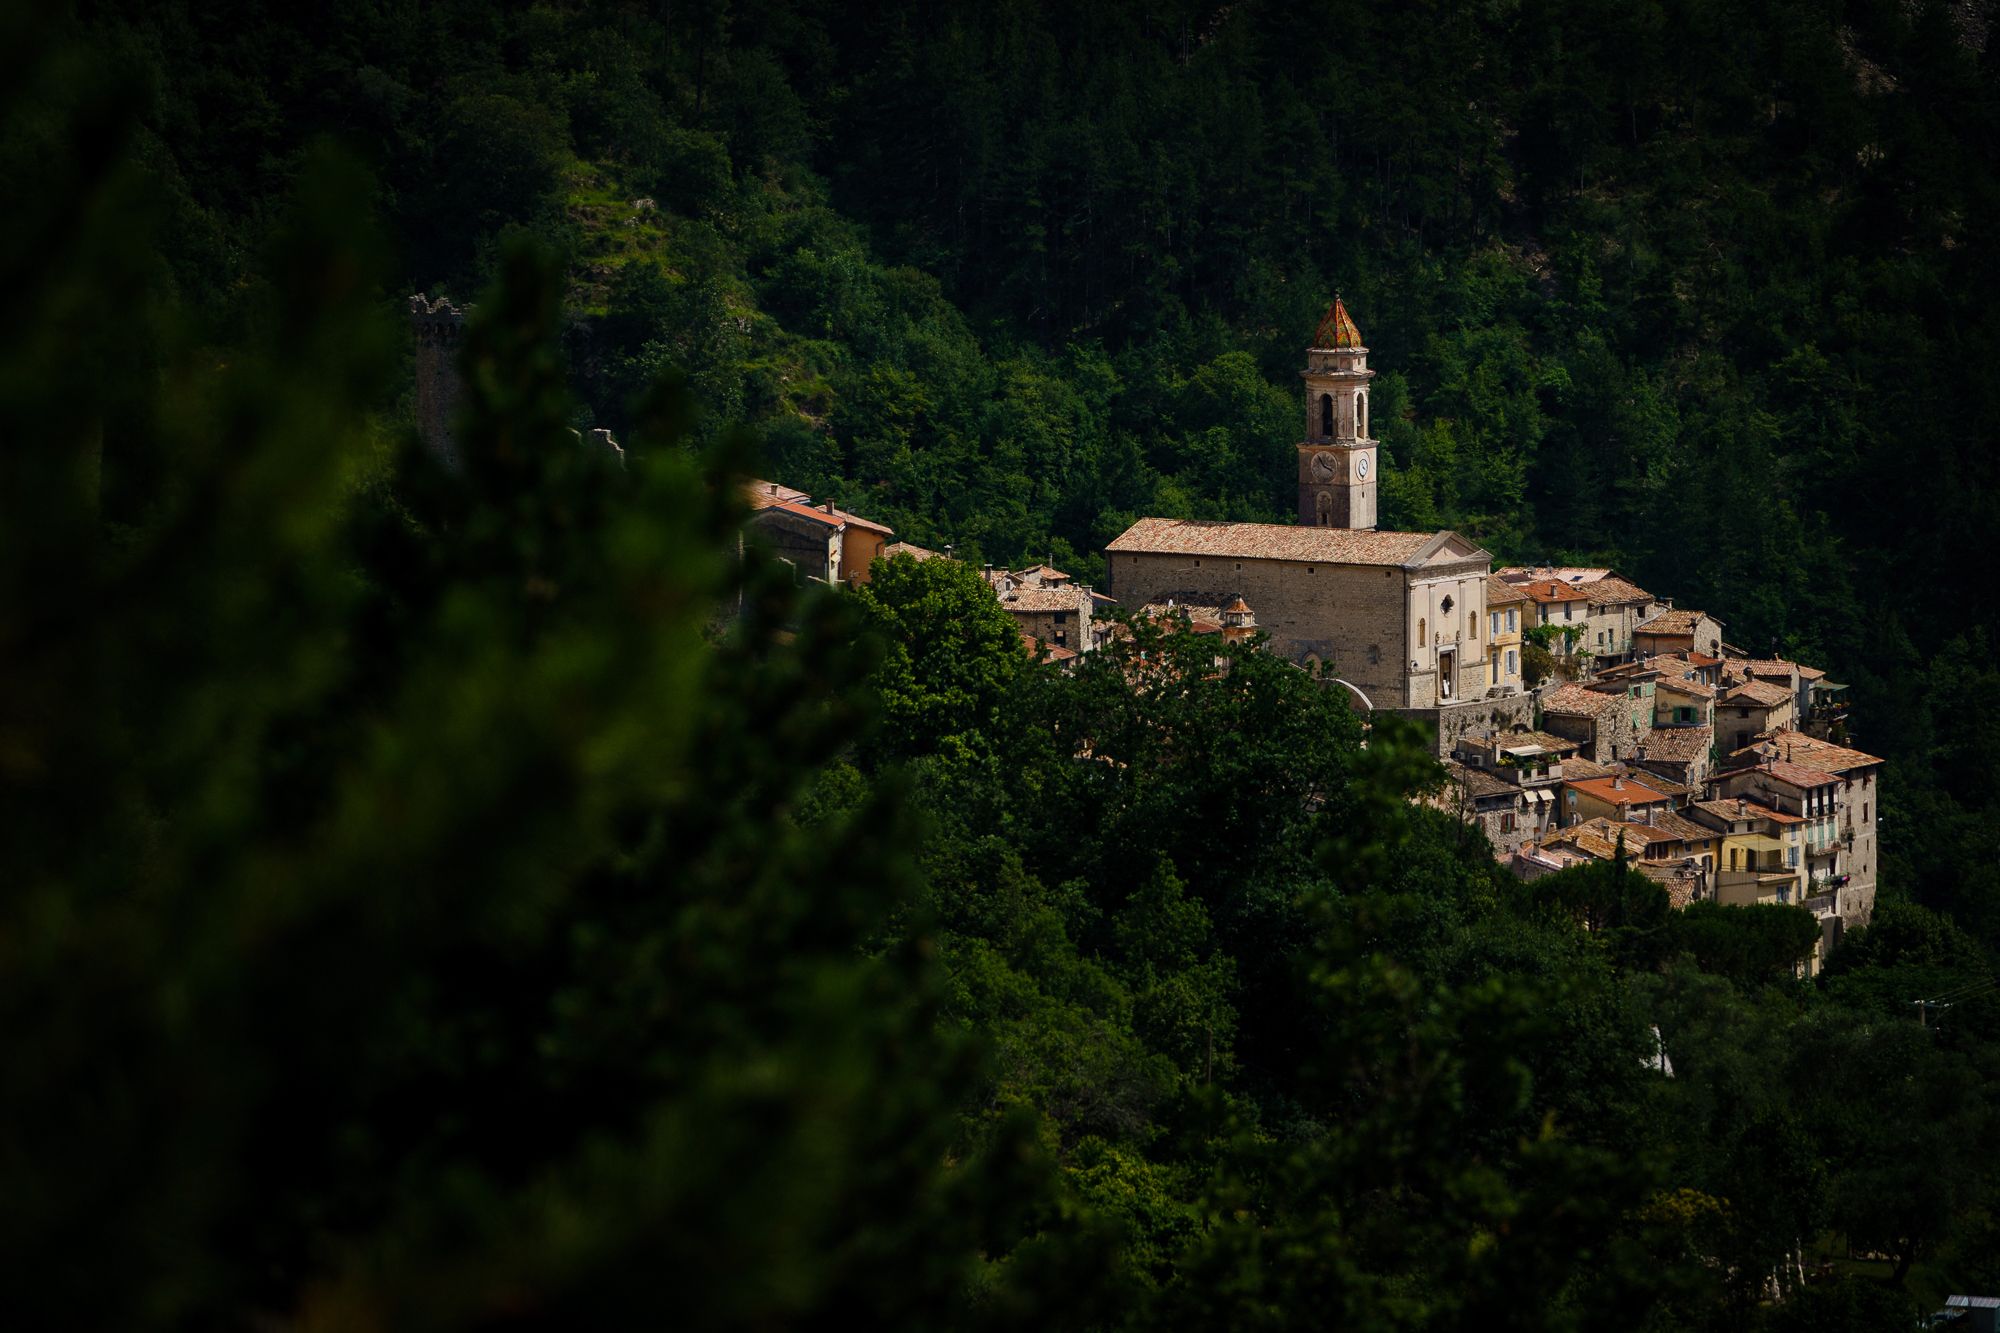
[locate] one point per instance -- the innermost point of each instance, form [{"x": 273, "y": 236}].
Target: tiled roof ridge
[{"x": 1281, "y": 541}]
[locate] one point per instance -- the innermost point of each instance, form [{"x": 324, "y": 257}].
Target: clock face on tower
[
  {"x": 1361, "y": 467},
  {"x": 1322, "y": 466}
]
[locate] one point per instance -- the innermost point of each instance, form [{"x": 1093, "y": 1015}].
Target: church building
[{"x": 1399, "y": 615}]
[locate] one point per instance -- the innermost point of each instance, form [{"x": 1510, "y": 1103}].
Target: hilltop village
[{"x": 1578, "y": 716}]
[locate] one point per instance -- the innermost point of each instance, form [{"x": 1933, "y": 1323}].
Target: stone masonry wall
[
  {"x": 439, "y": 330},
  {"x": 1861, "y": 796},
  {"x": 1446, "y": 726},
  {"x": 1351, "y": 616}
]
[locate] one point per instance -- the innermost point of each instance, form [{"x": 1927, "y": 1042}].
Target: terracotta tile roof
[
  {"x": 1044, "y": 574},
  {"x": 1519, "y": 740},
  {"x": 1637, "y": 835},
  {"x": 802, "y": 511},
  {"x": 1673, "y": 622},
  {"x": 1593, "y": 844},
  {"x": 1703, "y": 660},
  {"x": 1664, "y": 786},
  {"x": 1614, "y": 591},
  {"x": 1666, "y": 821},
  {"x": 1692, "y": 689},
  {"x": 1549, "y": 591},
  {"x": 1036, "y": 647},
  {"x": 760, "y": 493},
  {"x": 1797, "y": 775},
  {"x": 1201, "y": 619},
  {"x": 1750, "y": 808},
  {"x": 1476, "y": 783},
  {"x": 1499, "y": 592},
  {"x": 827, "y": 514},
  {"x": 1576, "y": 766},
  {"x": 856, "y": 521},
  {"x": 1273, "y": 541},
  {"x": 1566, "y": 573},
  {"x": 1678, "y": 745},
  {"x": 1762, "y": 693},
  {"x": 1044, "y": 599},
  {"x": 894, "y": 549},
  {"x": 1571, "y": 700},
  {"x": 1608, "y": 791},
  {"x": 1798, "y": 748},
  {"x": 1336, "y": 328}
]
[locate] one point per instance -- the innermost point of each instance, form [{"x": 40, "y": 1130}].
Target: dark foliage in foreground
[{"x": 478, "y": 901}]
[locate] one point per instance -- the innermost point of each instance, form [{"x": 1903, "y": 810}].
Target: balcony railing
[{"x": 1821, "y": 904}]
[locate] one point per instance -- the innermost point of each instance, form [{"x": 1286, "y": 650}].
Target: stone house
[
  {"x": 1813, "y": 797},
  {"x": 824, "y": 544},
  {"x": 1682, "y": 703},
  {"x": 1674, "y": 852},
  {"x": 803, "y": 537},
  {"x": 1615, "y": 608},
  {"x": 1748, "y": 710},
  {"x": 1060, "y": 615},
  {"x": 1600, "y": 723},
  {"x": 1682, "y": 754},
  {"x": 1564, "y": 606},
  {"x": 1859, "y": 811},
  {"x": 1500, "y": 809},
  {"x": 1530, "y": 762},
  {"x": 1763, "y": 851},
  {"x": 1671, "y": 631}
]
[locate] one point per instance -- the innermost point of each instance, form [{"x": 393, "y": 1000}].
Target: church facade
[{"x": 1399, "y": 615}]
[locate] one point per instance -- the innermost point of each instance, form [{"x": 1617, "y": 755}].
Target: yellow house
[
  {"x": 1762, "y": 855},
  {"x": 1506, "y": 609}
]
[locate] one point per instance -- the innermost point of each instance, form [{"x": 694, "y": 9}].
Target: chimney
[
  {"x": 1618, "y": 782},
  {"x": 948, "y": 549},
  {"x": 827, "y": 505},
  {"x": 1742, "y": 806}
]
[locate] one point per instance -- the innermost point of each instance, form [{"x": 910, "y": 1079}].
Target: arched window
[
  {"x": 1326, "y": 416},
  {"x": 1421, "y": 640},
  {"x": 1361, "y": 413}
]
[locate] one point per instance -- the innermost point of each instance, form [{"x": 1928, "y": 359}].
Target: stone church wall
[{"x": 1350, "y": 616}]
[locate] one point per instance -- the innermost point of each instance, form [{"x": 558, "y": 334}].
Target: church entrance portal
[{"x": 1447, "y": 673}]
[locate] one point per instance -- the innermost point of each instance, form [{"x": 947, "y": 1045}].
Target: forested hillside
[{"x": 418, "y": 916}]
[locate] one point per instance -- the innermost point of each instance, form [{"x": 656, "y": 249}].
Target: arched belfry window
[
  {"x": 1326, "y": 416},
  {"x": 1361, "y": 413}
]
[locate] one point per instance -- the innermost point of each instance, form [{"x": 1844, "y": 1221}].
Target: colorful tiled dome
[{"x": 1337, "y": 328}]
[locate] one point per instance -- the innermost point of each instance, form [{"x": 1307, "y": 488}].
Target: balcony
[{"x": 1822, "y": 904}]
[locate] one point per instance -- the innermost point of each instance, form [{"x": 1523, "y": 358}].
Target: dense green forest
[{"x": 485, "y": 901}]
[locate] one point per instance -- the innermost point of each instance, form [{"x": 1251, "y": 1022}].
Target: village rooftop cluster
[{"x": 1579, "y": 717}]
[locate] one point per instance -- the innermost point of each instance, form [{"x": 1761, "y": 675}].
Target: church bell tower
[{"x": 1337, "y": 458}]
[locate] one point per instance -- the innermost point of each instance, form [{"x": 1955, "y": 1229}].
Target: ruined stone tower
[
  {"x": 439, "y": 328},
  {"x": 1337, "y": 475}
]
